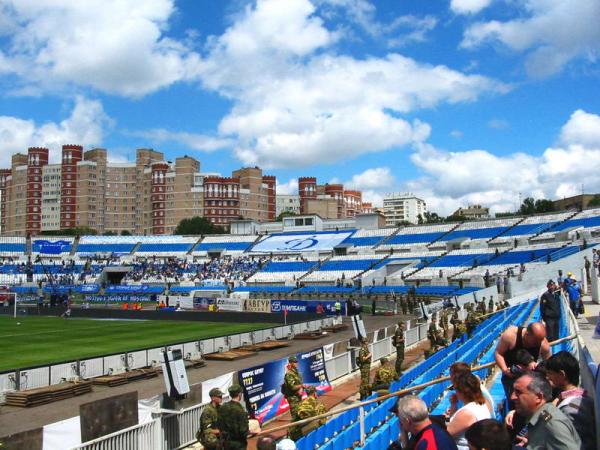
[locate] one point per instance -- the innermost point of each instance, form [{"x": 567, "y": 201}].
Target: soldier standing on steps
[
  {"x": 292, "y": 386},
  {"x": 364, "y": 363},
  {"x": 208, "y": 434},
  {"x": 311, "y": 406},
  {"x": 384, "y": 377},
  {"x": 398, "y": 342},
  {"x": 233, "y": 421}
]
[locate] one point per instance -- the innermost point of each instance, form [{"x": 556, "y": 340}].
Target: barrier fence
[
  {"x": 42, "y": 376},
  {"x": 176, "y": 430}
]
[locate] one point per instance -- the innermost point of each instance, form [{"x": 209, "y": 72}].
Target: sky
[{"x": 458, "y": 101}]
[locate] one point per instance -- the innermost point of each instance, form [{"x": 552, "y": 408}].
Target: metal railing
[{"x": 145, "y": 436}]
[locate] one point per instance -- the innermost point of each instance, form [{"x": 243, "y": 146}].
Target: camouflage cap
[
  {"x": 215, "y": 392},
  {"x": 384, "y": 360},
  {"x": 293, "y": 359},
  {"x": 234, "y": 390}
]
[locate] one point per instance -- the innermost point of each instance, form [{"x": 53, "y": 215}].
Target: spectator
[
  {"x": 414, "y": 420},
  {"x": 562, "y": 370},
  {"x": 548, "y": 428},
  {"x": 588, "y": 266},
  {"x": 468, "y": 390},
  {"x": 550, "y": 310},
  {"x": 488, "y": 434},
  {"x": 459, "y": 368},
  {"x": 267, "y": 442},
  {"x": 574, "y": 293},
  {"x": 320, "y": 309},
  {"x": 533, "y": 339}
]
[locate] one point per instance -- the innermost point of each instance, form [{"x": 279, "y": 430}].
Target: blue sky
[{"x": 459, "y": 101}]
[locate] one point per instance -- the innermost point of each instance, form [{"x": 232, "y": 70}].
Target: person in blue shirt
[{"x": 574, "y": 292}]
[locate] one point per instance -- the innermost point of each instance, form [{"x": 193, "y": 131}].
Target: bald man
[{"x": 533, "y": 339}]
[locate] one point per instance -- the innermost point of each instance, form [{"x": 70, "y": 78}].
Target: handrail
[{"x": 399, "y": 393}]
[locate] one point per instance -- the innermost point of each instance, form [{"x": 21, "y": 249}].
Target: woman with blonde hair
[{"x": 468, "y": 390}]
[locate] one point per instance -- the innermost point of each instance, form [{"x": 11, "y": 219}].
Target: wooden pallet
[
  {"x": 231, "y": 355},
  {"x": 49, "y": 394},
  {"x": 336, "y": 328},
  {"x": 309, "y": 336},
  {"x": 126, "y": 377},
  {"x": 194, "y": 363},
  {"x": 267, "y": 345}
]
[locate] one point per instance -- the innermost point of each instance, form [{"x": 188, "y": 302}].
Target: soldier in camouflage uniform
[
  {"x": 364, "y": 363},
  {"x": 292, "y": 386},
  {"x": 384, "y": 377},
  {"x": 233, "y": 421},
  {"x": 208, "y": 433},
  {"x": 311, "y": 406},
  {"x": 444, "y": 323},
  {"x": 440, "y": 340},
  {"x": 404, "y": 305},
  {"x": 398, "y": 343},
  {"x": 432, "y": 330}
]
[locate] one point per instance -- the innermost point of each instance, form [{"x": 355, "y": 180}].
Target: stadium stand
[
  {"x": 480, "y": 230},
  {"x": 421, "y": 235},
  {"x": 342, "y": 268},
  {"x": 281, "y": 270},
  {"x": 165, "y": 245},
  {"x": 115, "y": 245},
  {"x": 369, "y": 238},
  {"x": 231, "y": 244},
  {"x": 532, "y": 226},
  {"x": 56, "y": 246},
  {"x": 11, "y": 247}
]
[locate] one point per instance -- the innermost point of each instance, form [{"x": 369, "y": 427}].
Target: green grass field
[{"x": 42, "y": 340}]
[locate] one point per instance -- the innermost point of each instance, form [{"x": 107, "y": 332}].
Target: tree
[
  {"x": 197, "y": 225},
  {"x": 285, "y": 214},
  {"x": 528, "y": 207},
  {"x": 595, "y": 201},
  {"x": 431, "y": 217},
  {"x": 544, "y": 206},
  {"x": 125, "y": 233},
  {"x": 109, "y": 233}
]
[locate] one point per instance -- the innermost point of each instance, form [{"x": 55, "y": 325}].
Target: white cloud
[
  {"x": 110, "y": 45},
  {"x": 375, "y": 178},
  {"x": 498, "y": 124},
  {"x": 469, "y": 6},
  {"x": 409, "y": 29},
  {"x": 553, "y": 33},
  {"x": 289, "y": 188},
  {"x": 456, "y": 134},
  {"x": 453, "y": 179},
  {"x": 194, "y": 141},
  {"x": 582, "y": 128},
  {"x": 297, "y": 103},
  {"x": 85, "y": 126}
]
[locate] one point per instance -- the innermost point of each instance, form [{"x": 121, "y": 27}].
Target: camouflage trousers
[
  {"x": 294, "y": 403},
  {"x": 365, "y": 386},
  {"x": 399, "y": 359}
]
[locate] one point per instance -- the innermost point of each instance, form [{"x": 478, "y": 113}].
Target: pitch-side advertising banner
[
  {"x": 229, "y": 304},
  {"x": 262, "y": 384},
  {"x": 295, "y": 243},
  {"x": 257, "y": 305},
  {"x": 305, "y": 306}
]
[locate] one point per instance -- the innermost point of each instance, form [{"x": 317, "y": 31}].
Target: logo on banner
[
  {"x": 299, "y": 244},
  {"x": 275, "y": 306}
]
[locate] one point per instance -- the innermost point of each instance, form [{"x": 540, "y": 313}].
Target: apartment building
[
  {"x": 287, "y": 203},
  {"x": 330, "y": 199},
  {"x": 403, "y": 207},
  {"x": 148, "y": 196}
]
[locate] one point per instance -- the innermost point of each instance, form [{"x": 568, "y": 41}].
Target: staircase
[
  {"x": 426, "y": 265},
  {"x": 355, "y": 277},
  {"x": 135, "y": 249},
  {"x": 74, "y": 246},
  {"x": 546, "y": 230},
  {"x": 191, "y": 250},
  {"x": 313, "y": 268},
  {"x": 507, "y": 230},
  {"x": 445, "y": 234},
  {"x": 384, "y": 241}
]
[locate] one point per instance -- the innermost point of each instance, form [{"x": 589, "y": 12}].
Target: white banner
[
  {"x": 222, "y": 382},
  {"x": 300, "y": 242},
  {"x": 229, "y": 304},
  {"x": 328, "y": 351}
]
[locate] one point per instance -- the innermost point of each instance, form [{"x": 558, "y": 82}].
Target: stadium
[
  {"x": 96, "y": 313},
  {"x": 299, "y": 225}
]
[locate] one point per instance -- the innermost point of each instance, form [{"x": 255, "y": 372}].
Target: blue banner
[
  {"x": 133, "y": 289},
  {"x": 296, "y": 243},
  {"x": 310, "y": 306},
  {"x": 262, "y": 384},
  {"x": 51, "y": 247},
  {"x": 117, "y": 298}
]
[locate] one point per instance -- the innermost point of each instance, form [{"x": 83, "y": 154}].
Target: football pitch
[{"x": 31, "y": 341}]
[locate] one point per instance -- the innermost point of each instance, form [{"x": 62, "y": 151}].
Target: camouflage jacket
[
  {"x": 292, "y": 378},
  {"x": 233, "y": 422},
  {"x": 208, "y": 422},
  {"x": 310, "y": 407},
  {"x": 398, "y": 338},
  {"x": 384, "y": 375},
  {"x": 364, "y": 356}
]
